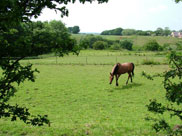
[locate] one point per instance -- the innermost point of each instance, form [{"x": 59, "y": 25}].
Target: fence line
[{"x": 83, "y": 59}]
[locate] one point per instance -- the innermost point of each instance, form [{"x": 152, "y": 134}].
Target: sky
[{"x": 127, "y": 14}]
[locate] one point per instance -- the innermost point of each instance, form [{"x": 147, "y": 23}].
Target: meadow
[
  {"x": 75, "y": 93},
  {"x": 138, "y": 41}
]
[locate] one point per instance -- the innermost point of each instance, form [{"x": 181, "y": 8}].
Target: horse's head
[{"x": 111, "y": 78}]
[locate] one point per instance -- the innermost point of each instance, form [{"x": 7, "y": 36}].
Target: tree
[
  {"x": 13, "y": 42},
  {"x": 159, "y": 32},
  {"x": 152, "y": 45},
  {"x": 173, "y": 90},
  {"x": 117, "y": 31},
  {"x": 129, "y": 32},
  {"x": 167, "y": 31},
  {"x": 126, "y": 44},
  {"x": 76, "y": 30},
  {"x": 100, "y": 45},
  {"x": 178, "y": 1}
]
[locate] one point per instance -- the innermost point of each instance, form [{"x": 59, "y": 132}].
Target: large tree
[{"x": 14, "y": 43}]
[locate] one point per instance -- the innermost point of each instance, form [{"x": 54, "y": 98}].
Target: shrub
[
  {"x": 100, "y": 45},
  {"x": 179, "y": 45},
  {"x": 152, "y": 45},
  {"x": 89, "y": 40},
  {"x": 167, "y": 46},
  {"x": 126, "y": 44},
  {"x": 149, "y": 62},
  {"x": 115, "y": 46}
]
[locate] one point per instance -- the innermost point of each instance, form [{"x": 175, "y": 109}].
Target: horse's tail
[{"x": 133, "y": 69}]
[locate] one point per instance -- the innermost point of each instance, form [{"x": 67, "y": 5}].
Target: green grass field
[
  {"x": 138, "y": 41},
  {"x": 75, "y": 93}
]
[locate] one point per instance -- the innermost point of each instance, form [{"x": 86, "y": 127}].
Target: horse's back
[{"x": 126, "y": 67}]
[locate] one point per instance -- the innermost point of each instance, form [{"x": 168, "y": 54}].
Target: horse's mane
[{"x": 115, "y": 69}]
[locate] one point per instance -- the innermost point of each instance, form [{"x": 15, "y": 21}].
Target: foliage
[
  {"x": 14, "y": 42},
  {"x": 149, "y": 62},
  {"x": 100, "y": 45},
  {"x": 179, "y": 45},
  {"x": 126, "y": 32},
  {"x": 152, "y": 45},
  {"x": 115, "y": 46},
  {"x": 126, "y": 44},
  {"x": 178, "y": 1},
  {"x": 138, "y": 41},
  {"x": 167, "y": 46},
  {"x": 129, "y": 32},
  {"x": 89, "y": 40},
  {"x": 173, "y": 87},
  {"x": 144, "y": 33},
  {"x": 74, "y": 30},
  {"x": 117, "y": 31}
]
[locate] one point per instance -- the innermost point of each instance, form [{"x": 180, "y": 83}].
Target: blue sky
[{"x": 134, "y": 14}]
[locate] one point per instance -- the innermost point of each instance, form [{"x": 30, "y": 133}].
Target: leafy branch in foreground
[
  {"x": 18, "y": 40},
  {"x": 173, "y": 87}
]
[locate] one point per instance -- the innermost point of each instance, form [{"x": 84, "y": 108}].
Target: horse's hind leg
[{"x": 129, "y": 76}]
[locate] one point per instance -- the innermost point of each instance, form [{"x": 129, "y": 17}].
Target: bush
[
  {"x": 89, "y": 40},
  {"x": 167, "y": 46},
  {"x": 100, "y": 45},
  {"x": 179, "y": 45},
  {"x": 149, "y": 62},
  {"x": 152, "y": 45},
  {"x": 126, "y": 44},
  {"x": 115, "y": 46}
]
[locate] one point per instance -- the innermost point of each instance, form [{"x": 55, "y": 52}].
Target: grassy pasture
[
  {"x": 105, "y": 57},
  {"x": 79, "y": 100},
  {"x": 138, "y": 41}
]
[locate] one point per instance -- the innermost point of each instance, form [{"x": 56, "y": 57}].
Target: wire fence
[{"x": 94, "y": 60}]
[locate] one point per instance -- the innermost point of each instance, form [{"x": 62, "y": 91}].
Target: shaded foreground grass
[{"x": 79, "y": 101}]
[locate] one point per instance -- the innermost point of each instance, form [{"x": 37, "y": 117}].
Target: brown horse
[{"x": 119, "y": 69}]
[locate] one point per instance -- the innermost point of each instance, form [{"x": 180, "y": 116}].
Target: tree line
[
  {"x": 45, "y": 37},
  {"x": 126, "y": 32}
]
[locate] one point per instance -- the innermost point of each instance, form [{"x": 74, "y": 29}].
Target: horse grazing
[{"x": 119, "y": 69}]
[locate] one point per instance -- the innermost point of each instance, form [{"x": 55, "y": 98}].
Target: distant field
[
  {"x": 101, "y": 57},
  {"x": 137, "y": 40},
  {"x": 74, "y": 92}
]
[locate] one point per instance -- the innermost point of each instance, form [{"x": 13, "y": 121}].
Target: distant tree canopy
[
  {"x": 100, "y": 43},
  {"x": 74, "y": 30},
  {"x": 117, "y": 31},
  {"x": 126, "y": 32}
]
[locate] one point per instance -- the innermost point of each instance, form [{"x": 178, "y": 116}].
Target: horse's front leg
[
  {"x": 117, "y": 77},
  {"x": 116, "y": 80}
]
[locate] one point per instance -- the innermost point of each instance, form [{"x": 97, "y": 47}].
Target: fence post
[
  {"x": 86, "y": 60},
  {"x": 56, "y": 59}
]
